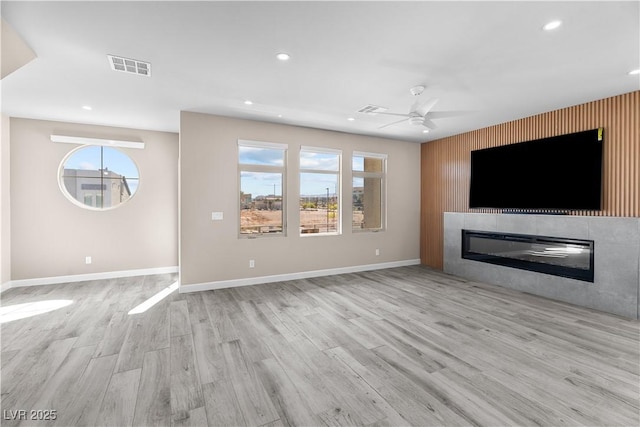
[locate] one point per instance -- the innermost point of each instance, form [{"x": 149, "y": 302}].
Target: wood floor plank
[
  {"x": 58, "y": 391},
  {"x": 131, "y": 352},
  {"x": 208, "y": 351},
  {"x": 179, "y": 318},
  {"x": 114, "y": 334},
  {"x": 88, "y": 393},
  {"x": 218, "y": 315},
  {"x": 23, "y": 377},
  {"x": 197, "y": 309},
  {"x": 6, "y": 356},
  {"x": 253, "y": 400},
  {"x": 222, "y": 405},
  {"x": 398, "y": 409},
  {"x": 194, "y": 418},
  {"x": 254, "y": 342},
  {"x": 350, "y": 389},
  {"x": 153, "y": 404},
  {"x": 186, "y": 391},
  {"x": 308, "y": 382},
  {"x": 147, "y": 332},
  {"x": 292, "y": 408},
  {"x": 119, "y": 403}
]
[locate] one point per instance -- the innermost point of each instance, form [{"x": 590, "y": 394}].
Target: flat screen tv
[{"x": 557, "y": 173}]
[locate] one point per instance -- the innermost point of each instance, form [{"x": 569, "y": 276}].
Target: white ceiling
[{"x": 491, "y": 59}]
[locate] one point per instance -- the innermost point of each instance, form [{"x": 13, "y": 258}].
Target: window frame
[
  {"x": 338, "y": 173},
  {"x": 92, "y": 207},
  {"x": 248, "y": 167},
  {"x": 383, "y": 188}
]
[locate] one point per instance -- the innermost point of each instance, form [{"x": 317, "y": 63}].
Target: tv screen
[{"x": 557, "y": 173}]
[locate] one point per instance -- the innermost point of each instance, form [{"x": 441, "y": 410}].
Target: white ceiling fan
[{"x": 420, "y": 114}]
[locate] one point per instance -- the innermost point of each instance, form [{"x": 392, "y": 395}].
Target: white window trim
[
  {"x": 324, "y": 150},
  {"x": 262, "y": 144},
  {"x": 373, "y": 155}
]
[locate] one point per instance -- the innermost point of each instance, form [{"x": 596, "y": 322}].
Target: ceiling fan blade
[
  {"x": 393, "y": 123},
  {"x": 394, "y": 114},
  {"x": 446, "y": 114},
  {"x": 425, "y": 107},
  {"x": 429, "y": 124}
]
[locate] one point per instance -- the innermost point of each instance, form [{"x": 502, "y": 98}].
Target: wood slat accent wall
[{"x": 445, "y": 162}]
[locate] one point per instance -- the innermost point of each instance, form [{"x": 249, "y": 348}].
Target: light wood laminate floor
[{"x": 404, "y": 346}]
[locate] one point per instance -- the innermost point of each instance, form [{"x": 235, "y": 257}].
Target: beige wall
[
  {"x": 51, "y": 236},
  {"x": 5, "y": 203},
  {"x": 211, "y": 251}
]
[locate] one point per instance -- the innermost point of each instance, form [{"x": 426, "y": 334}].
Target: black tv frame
[{"x": 555, "y": 175}]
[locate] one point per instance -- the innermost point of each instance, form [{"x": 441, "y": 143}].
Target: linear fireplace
[{"x": 563, "y": 257}]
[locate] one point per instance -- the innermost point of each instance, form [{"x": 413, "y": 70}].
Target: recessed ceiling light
[
  {"x": 552, "y": 25},
  {"x": 351, "y": 119},
  {"x": 87, "y": 107},
  {"x": 425, "y": 131},
  {"x": 247, "y": 102},
  {"x": 283, "y": 56},
  {"x": 280, "y": 115},
  {"x": 634, "y": 72}
]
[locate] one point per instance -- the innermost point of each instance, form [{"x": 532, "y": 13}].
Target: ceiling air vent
[
  {"x": 127, "y": 65},
  {"x": 372, "y": 109}
]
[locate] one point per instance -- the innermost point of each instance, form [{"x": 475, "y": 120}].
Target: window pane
[
  {"x": 319, "y": 161},
  {"x": 368, "y": 164},
  {"x": 358, "y": 163},
  {"x": 118, "y": 164},
  {"x": 260, "y": 156},
  {"x": 260, "y": 202},
  {"x": 367, "y": 203},
  {"x": 86, "y": 190},
  {"x": 116, "y": 190},
  {"x": 319, "y": 210},
  {"x": 84, "y": 162},
  {"x": 372, "y": 164}
]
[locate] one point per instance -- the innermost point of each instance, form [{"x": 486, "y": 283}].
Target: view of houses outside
[{"x": 96, "y": 188}]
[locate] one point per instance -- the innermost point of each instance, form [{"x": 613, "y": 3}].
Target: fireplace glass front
[{"x": 564, "y": 257}]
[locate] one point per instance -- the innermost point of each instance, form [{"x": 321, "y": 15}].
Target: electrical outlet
[
  {"x": 252, "y": 263},
  {"x": 377, "y": 252},
  {"x": 87, "y": 260}
]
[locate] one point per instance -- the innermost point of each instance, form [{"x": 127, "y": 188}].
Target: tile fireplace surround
[{"x": 616, "y": 287}]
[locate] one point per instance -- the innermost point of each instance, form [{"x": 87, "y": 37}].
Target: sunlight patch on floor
[
  {"x": 154, "y": 299},
  {"x": 21, "y": 311}
]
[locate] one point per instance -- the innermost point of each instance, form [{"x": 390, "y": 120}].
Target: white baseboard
[
  {"x": 4, "y": 286},
  {"x": 293, "y": 276},
  {"x": 85, "y": 277}
]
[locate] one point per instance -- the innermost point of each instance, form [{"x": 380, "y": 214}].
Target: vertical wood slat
[{"x": 445, "y": 163}]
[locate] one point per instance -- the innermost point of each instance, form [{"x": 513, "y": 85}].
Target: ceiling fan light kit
[
  {"x": 416, "y": 90},
  {"x": 416, "y": 121}
]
